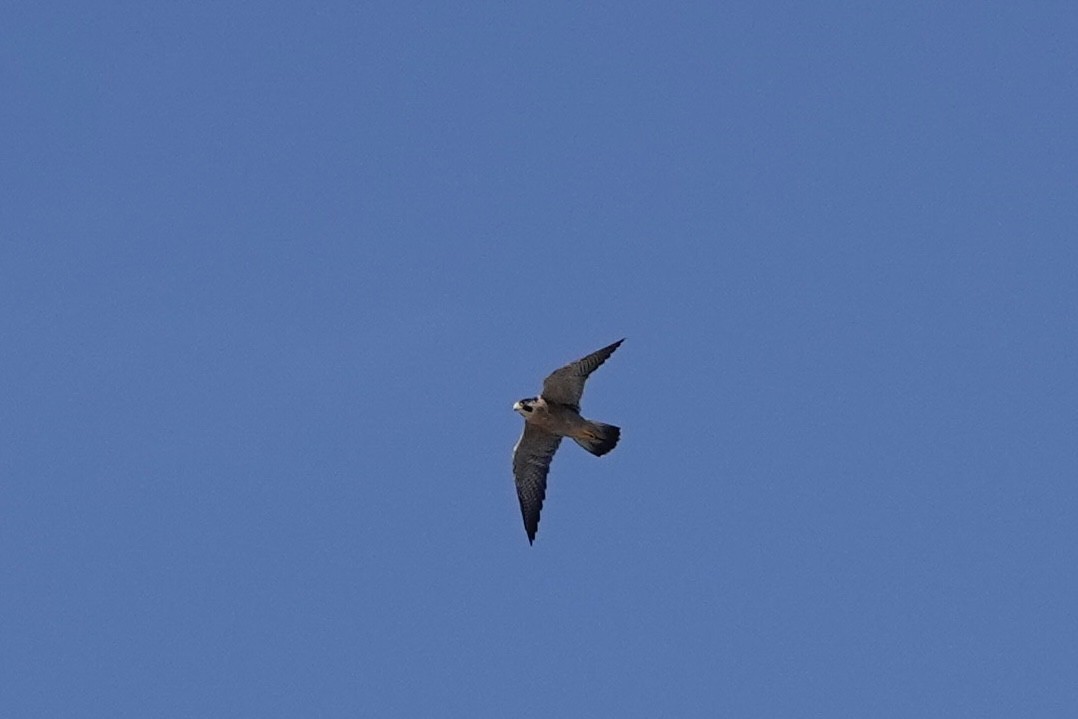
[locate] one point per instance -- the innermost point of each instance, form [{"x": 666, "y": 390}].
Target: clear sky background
[{"x": 273, "y": 274}]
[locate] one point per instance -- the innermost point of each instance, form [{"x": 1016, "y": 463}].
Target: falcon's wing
[
  {"x": 566, "y": 385},
  {"x": 531, "y": 462}
]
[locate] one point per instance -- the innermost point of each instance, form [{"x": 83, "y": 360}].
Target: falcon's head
[{"x": 526, "y": 406}]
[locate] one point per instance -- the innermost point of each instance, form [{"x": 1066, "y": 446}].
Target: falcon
[{"x": 554, "y": 414}]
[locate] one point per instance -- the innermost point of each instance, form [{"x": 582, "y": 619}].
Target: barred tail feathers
[{"x": 598, "y": 438}]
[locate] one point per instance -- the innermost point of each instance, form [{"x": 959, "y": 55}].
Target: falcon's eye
[{"x": 526, "y": 407}]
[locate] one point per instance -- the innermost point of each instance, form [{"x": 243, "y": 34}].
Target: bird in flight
[{"x": 554, "y": 414}]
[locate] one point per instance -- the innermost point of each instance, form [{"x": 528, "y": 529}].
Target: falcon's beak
[{"x": 517, "y": 406}]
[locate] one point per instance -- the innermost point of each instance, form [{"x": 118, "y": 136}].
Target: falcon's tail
[{"x": 598, "y": 438}]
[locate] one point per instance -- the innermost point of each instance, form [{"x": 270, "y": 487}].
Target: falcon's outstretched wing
[
  {"x": 531, "y": 462},
  {"x": 566, "y": 385}
]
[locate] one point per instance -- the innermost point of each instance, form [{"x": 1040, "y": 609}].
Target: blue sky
[{"x": 272, "y": 276}]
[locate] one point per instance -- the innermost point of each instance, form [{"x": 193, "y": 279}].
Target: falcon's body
[
  {"x": 549, "y": 417},
  {"x": 556, "y": 419}
]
